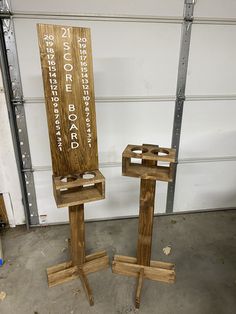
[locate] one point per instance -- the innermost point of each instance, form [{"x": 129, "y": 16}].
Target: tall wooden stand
[
  {"x": 149, "y": 171},
  {"x": 66, "y": 60}
]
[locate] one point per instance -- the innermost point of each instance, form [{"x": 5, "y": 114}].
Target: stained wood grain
[
  {"x": 133, "y": 260},
  {"x": 85, "y": 283},
  {"x": 159, "y": 173},
  {"x": 3, "y": 212},
  {"x": 146, "y": 213},
  {"x": 65, "y": 272},
  {"x": 76, "y": 215},
  {"x": 150, "y": 152},
  {"x": 139, "y": 288},
  {"x": 152, "y": 171},
  {"x": 133, "y": 270},
  {"x": 66, "y": 60}
]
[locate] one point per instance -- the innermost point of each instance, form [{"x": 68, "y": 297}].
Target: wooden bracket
[
  {"x": 79, "y": 188},
  {"x": 148, "y": 153},
  {"x": 66, "y": 271}
]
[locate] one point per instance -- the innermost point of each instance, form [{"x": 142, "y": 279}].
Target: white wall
[
  {"x": 123, "y": 69},
  {"x": 122, "y": 7},
  {"x": 9, "y": 183}
]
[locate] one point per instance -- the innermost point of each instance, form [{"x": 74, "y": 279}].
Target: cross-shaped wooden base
[
  {"x": 80, "y": 265},
  {"x": 158, "y": 271},
  {"x": 66, "y": 271}
]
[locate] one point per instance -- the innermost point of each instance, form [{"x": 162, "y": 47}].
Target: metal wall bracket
[
  {"x": 14, "y": 96},
  {"x": 180, "y": 93}
]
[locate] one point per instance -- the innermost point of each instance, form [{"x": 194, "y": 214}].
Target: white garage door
[{"x": 136, "y": 48}]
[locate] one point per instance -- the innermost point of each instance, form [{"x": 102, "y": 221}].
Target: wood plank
[
  {"x": 160, "y": 173},
  {"x": 139, "y": 288},
  {"x": 132, "y": 270},
  {"x": 65, "y": 271},
  {"x": 58, "y": 267},
  {"x": 150, "y": 152},
  {"x": 81, "y": 196},
  {"x": 77, "y": 180},
  {"x": 62, "y": 276},
  {"x": 133, "y": 260},
  {"x": 95, "y": 255},
  {"x": 66, "y": 60},
  {"x": 76, "y": 215},
  {"x": 146, "y": 213},
  {"x": 3, "y": 212},
  {"x": 96, "y": 265},
  {"x": 86, "y": 286}
]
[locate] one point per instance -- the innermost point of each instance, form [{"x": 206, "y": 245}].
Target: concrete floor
[{"x": 203, "y": 248}]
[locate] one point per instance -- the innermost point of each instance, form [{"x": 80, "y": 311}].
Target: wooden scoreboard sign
[
  {"x": 66, "y": 61},
  {"x": 67, "y": 69}
]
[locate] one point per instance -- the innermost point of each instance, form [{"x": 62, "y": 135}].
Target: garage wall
[
  {"x": 135, "y": 53},
  {"x": 9, "y": 179},
  {"x": 206, "y": 174}
]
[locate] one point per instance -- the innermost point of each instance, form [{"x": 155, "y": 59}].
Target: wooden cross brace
[{"x": 149, "y": 171}]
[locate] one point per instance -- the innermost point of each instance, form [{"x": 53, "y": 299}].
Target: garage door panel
[
  {"x": 122, "y": 198},
  {"x": 118, "y": 125},
  {"x": 207, "y": 185},
  {"x": 162, "y": 8},
  {"x": 215, "y": 9},
  {"x": 212, "y": 66},
  {"x": 208, "y": 130},
  {"x": 130, "y": 59},
  {"x": 36, "y": 121}
]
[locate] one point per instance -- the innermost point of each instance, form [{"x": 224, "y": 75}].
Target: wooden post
[
  {"x": 148, "y": 171},
  {"x": 146, "y": 212},
  {"x": 76, "y": 215},
  {"x": 66, "y": 60}
]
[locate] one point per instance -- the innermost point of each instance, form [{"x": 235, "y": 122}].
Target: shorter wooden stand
[{"x": 149, "y": 171}]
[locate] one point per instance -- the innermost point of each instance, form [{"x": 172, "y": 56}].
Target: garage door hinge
[
  {"x": 4, "y": 9},
  {"x": 17, "y": 102},
  {"x": 188, "y": 10},
  {"x": 180, "y": 93}
]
